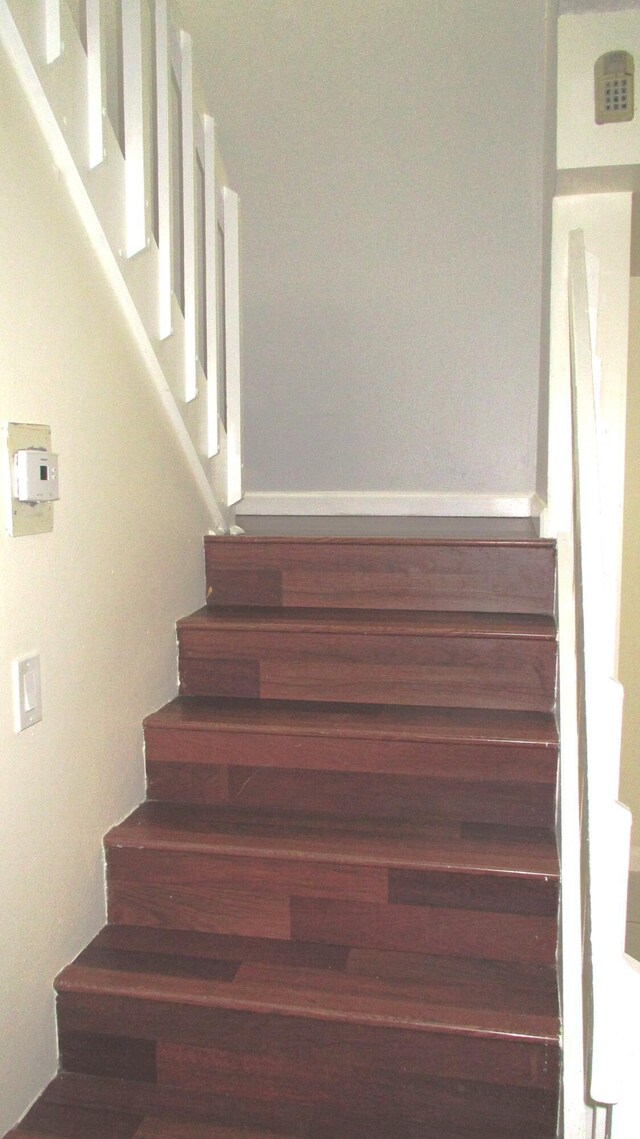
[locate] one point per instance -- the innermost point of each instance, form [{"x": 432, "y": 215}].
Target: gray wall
[{"x": 390, "y": 157}]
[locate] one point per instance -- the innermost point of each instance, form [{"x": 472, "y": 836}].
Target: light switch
[{"x": 27, "y": 692}]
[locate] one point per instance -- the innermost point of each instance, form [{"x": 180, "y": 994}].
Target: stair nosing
[
  {"x": 338, "y": 540},
  {"x": 426, "y": 623},
  {"x": 274, "y": 848},
  {"x": 89, "y": 980},
  {"x": 161, "y": 720}
]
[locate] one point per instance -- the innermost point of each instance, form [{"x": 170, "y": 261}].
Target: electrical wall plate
[
  {"x": 27, "y": 517},
  {"x": 27, "y": 692}
]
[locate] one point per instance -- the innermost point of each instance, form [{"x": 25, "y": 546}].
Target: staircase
[{"x": 335, "y": 916}]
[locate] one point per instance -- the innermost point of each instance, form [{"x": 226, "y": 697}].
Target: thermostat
[{"x": 36, "y": 476}]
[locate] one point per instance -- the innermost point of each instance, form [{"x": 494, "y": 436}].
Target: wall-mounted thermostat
[
  {"x": 36, "y": 476},
  {"x": 614, "y": 87},
  {"x": 33, "y": 478}
]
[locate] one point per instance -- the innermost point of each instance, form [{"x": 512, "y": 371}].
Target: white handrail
[
  {"x": 52, "y": 34},
  {"x": 163, "y": 152},
  {"x": 130, "y": 213},
  {"x": 96, "y": 87},
  {"x": 134, "y": 134},
  {"x": 611, "y": 987},
  {"x": 211, "y": 300},
  {"x": 188, "y": 216}
]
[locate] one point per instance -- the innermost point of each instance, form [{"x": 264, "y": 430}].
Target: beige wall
[
  {"x": 97, "y": 598},
  {"x": 630, "y": 606},
  {"x": 390, "y": 160}
]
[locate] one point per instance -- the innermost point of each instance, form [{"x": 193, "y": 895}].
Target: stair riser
[
  {"x": 336, "y": 917},
  {"x": 353, "y": 777},
  {"x": 471, "y": 672},
  {"x": 353, "y": 796},
  {"x": 473, "y": 761},
  {"x": 445, "y": 577},
  {"x": 289, "y": 1066},
  {"x": 493, "y": 917}
]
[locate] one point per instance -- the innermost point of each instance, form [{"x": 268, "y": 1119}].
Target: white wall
[
  {"x": 389, "y": 159},
  {"x": 582, "y": 39},
  {"x": 97, "y": 598}
]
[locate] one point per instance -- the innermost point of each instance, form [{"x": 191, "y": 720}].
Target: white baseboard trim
[{"x": 358, "y": 503}]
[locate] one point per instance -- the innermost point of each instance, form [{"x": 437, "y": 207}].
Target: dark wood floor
[
  {"x": 335, "y": 916},
  {"x": 370, "y": 526}
]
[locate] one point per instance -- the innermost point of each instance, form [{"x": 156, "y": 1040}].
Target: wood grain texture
[
  {"x": 517, "y": 578},
  {"x": 428, "y": 1042},
  {"x": 232, "y": 676},
  {"x": 415, "y": 741},
  {"x": 416, "y": 659},
  {"x": 437, "y": 1109},
  {"x": 221, "y": 910},
  {"x": 240, "y": 585},
  {"x": 271, "y": 876},
  {"x": 388, "y": 723},
  {"x": 160, "y": 948},
  {"x": 486, "y": 984},
  {"x": 156, "y": 1128},
  {"x": 468, "y": 933},
  {"x": 470, "y": 847},
  {"x": 373, "y": 622},
  {"x": 474, "y": 892},
  {"x": 116, "y": 1056},
  {"x": 60, "y": 1121},
  {"x": 312, "y": 980},
  {"x": 523, "y": 531},
  {"x": 353, "y": 795},
  {"x": 336, "y": 915},
  {"x": 78, "y": 1121}
]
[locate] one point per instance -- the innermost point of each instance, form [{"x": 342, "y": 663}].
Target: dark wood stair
[
  {"x": 470, "y": 660},
  {"x": 477, "y": 576},
  {"x": 335, "y": 917},
  {"x": 374, "y": 761}
]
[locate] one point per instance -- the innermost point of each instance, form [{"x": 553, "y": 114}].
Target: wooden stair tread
[
  {"x": 81, "y": 1107},
  {"x": 362, "y": 721},
  {"x": 335, "y": 917},
  {"x": 525, "y": 626},
  {"x": 444, "y": 538},
  {"x": 226, "y": 831},
  {"x": 446, "y": 996},
  {"x": 199, "y": 1112},
  {"x": 101, "y": 1122}
]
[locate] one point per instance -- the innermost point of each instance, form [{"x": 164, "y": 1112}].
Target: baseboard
[{"x": 358, "y": 503}]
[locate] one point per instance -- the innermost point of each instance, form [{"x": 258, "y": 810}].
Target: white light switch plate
[{"x": 27, "y": 692}]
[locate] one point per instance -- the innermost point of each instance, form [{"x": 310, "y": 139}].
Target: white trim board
[
  {"x": 357, "y": 503},
  {"x": 31, "y": 82}
]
